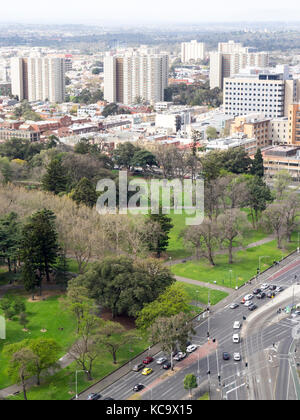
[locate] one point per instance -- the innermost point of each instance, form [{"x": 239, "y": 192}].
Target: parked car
[
  {"x": 147, "y": 371},
  {"x": 237, "y": 357},
  {"x": 139, "y": 367},
  {"x": 234, "y": 306},
  {"x": 180, "y": 356},
  {"x": 148, "y": 360},
  {"x": 191, "y": 348},
  {"x": 138, "y": 387},
  {"x": 167, "y": 365},
  {"x": 261, "y": 295},
  {"x": 161, "y": 360},
  {"x": 226, "y": 356},
  {"x": 94, "y": 396}
]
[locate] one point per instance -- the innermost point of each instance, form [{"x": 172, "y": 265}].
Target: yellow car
[{"x": 147, "y": 371}]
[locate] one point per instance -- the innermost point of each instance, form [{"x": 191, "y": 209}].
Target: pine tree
[
  {"x": 85, "y": 193},
  {"x": 55, "y": 179},
  {"x": 161, "y": 242},
  {"x": 258, "y": 165}
]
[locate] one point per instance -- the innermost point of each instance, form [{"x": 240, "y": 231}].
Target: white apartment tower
[
  {"x": 38, "y": 79},
  {"x": 230, "y": 59},
  {"x": 131, "y": 76},
  {"x": 192, "y": 51}
]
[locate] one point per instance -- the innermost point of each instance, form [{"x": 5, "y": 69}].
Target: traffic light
[{"x": 208, "y": 335}]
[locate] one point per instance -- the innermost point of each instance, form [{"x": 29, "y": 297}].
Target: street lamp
[{"x": 78, "y": 371}]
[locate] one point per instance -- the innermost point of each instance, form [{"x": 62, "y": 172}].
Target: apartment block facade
[
  {"x": 38, "y": 79},
  {"x": 192, "y": 51},
  {"x": 135, "y": 76}
]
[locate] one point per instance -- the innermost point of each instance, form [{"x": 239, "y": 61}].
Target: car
[
  {"x": 247, "y": 298},
  {"x": 256, "y": 291},
  {"x": 272, "y": 287},
  {"x": 264, "y": 286},
  {"x": 180, "y": 356},
  {"x": 161, "y": 360},
  {"x": 138, "y": 367},
  {"x": 148, "y": 360},
  {"x": 279, "y": 289},
  {"x": 236, "y": 325},
  {"x": 94, "y": 396},
  {"x": 248, "y": 303},
  {"x": 166, "y": 365},
  {"x": 234, "y": 306},
  {"x": 138, "y": 387},
  {"x": 261, "y": 295},
  {"x": 236, "y": 338},
  {"x": 271, "y": 295},
  {"x": 226, "y": 356},
  {"x": 252, "y": 307},
  {"x": 147, "y": 371},
  {"x": 237, "y": 357},
  {"x": 191, "y": 348}
]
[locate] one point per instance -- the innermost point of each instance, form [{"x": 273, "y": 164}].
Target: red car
[{"x": 148, "y": 360}]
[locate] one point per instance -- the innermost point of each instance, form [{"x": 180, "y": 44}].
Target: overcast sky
[{"x": 153, "y": 11}]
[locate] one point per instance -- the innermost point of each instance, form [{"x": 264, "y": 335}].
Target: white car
[
  {"x": 236, "y": 338},
  {"x": 248, "y": 303},
  {"x": 248, "y": 297},
  {"x": 161, "y": 360},
  {"x": 236, "y": 325},
  {"x": 191, "y": 348},
  {"x": 264, "y": 286},
  {"x": 237, "y": 357}
]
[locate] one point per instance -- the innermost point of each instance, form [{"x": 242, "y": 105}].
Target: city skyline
[{"x": 132, "y": 12}]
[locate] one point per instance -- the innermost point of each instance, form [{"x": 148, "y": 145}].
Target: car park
[
  {"x": 161, "y": 360},
  {"x": 236, "y": 338},
  {"x": 148, "y": 360},
  {"x": 180, "y": 356},
  {"x": 226, "y": 356},
  {"x": 234, "y": 306},
  {"x": 236, "y": 325},
  {"x": 191, "y": 348},
  {"x": 261, "y": 295},
  {"x": 147, "y": 371},
  {"x": 237, "y": 357},
  {"x": 94, "y": 396},
  {"x": 138, "y": 367},
  {"x": 138, "y": 387}
]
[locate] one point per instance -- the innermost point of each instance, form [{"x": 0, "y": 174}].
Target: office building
[
  {"x": 38, "y": 79},
  {"x": 192, "y": 51}
]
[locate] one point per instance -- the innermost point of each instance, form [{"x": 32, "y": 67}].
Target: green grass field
[
  {"x": 244, "y": 268},
  {"x": 200, "y": 294}
]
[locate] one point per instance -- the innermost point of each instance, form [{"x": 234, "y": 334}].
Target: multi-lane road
[{"x": 266, "y": 369}]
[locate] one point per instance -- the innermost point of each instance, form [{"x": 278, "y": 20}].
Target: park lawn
[
  {"x": 244, "y": 268},
  {"x": 49, "y": 315},
  {"x": 177, "y": 249},
  {"x": 62, "y": 386},
  {"x": 200, "y": 294}
]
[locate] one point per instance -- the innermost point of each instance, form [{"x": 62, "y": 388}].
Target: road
[{"x": 261, "y": 379}]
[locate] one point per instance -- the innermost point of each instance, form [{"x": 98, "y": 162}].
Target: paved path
[{"x": 203, "y": 284}]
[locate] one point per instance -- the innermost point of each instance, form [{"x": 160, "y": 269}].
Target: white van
[{"x": 236, "y": 338}]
